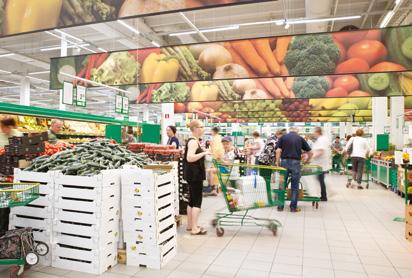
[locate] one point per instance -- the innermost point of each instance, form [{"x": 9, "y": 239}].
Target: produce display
[
  {"x": 88, "y": 159},
  {"x": 354, "y": 55},
  {"x": 20, "y": 16}
]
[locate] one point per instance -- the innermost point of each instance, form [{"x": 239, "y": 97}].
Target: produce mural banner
[
  {"x": 22, "y": 16},
  {"x": 293, "y": 110},
  {"x": 279, "y": 120},
  {"x": 271, "y": 60}
]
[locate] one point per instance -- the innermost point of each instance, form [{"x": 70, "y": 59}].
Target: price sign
[
  {"x": 81, "y": 96},
  {"x": 67, "y": 93},
  {"x": 119, "y": 104},
  {"x": 125, "y": 106}
]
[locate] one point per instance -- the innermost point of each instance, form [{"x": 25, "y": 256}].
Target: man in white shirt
[{"x": 322, "y": 156}]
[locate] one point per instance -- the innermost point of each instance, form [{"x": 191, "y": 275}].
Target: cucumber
[{"x": 378, "y": 81}]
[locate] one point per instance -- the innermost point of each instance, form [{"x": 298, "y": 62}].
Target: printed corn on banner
[
  {"x": 22, "y": 16},
  {"x": 376, "y": 62}
]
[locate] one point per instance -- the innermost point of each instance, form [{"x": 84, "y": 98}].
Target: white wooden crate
[
  {"x": 33, "y": 211},
  {"x": 93, "y": 262},
  {"x": 105, "y": 178},
  {"x": 27, "y": 176},
  {"x": 102, "y": 241},
  {"x": 85, "y": 230},
  {"x": 86, "y": 205},
  {"x": 148, "y": 210},
  {"x": 35, "y": 223},
  {"x": 136, "y": 223},
  {"x": 149, "y": 237},
  {"x": 154, "y": 256},
  {"x": 95, "y": 218},
  {"x": 87, "y": 193}
]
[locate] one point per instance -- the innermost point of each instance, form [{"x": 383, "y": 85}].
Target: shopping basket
[
  {"x": 264, "y": 188},
  {"x": 17, "y": 194},
  {"x": 306, "y": 170},
  {"x": 18, "y": 247}
]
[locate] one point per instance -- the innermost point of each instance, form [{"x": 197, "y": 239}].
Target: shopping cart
[
  {"x": 366, "y": 172},
  {"x": 306, "y": 170},
  {"x": 265, "y": 188},
  {"x": 17, "y": 247}
]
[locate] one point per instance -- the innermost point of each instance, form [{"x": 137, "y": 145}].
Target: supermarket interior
[{"x": 194, "y": 138}]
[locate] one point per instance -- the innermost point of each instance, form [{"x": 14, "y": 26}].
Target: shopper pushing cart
[{"x": 289, "y": 156}]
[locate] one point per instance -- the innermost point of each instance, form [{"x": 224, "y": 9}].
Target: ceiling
[{"x": 31, "y": 63}]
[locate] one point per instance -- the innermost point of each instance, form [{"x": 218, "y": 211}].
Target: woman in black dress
[{"x": 195, "y": 174}]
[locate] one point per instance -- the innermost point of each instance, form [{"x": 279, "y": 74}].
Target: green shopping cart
[
  {"x": 366, "y": 172},
  {"x": 263, "y": 188},
  {"x": 306, "y": 170},
  {"x": 17, "y": 247}
]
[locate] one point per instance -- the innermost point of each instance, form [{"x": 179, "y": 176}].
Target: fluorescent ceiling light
[
  {"x": 5, "y": 71},
  {"x": 39, "y": 72},
  {"x": 59, "y": 47},
  {"x": 218, "y": 29},
  {"x": 386, "y": 19},
  {"x": 277, "y": 22},
  {"x": 38, "y": 79},
  {"x": 102, "y": 49},
  {"x": 68, "y": 35},
  {"x": 7, "y": 55},
  {"x": 10, "y": 87},
  {"x": 155, "y": 43},
  {"x": 313, "y": 20},
  {"x": 134, "y": 30},
  {"x": 74, "y": 43}
]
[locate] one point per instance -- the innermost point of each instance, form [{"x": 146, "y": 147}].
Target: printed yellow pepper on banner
[
  {"x": 204, "y": 91},
  {"x": 31, "y": 15},
  {"x": 159, "y": 68}
]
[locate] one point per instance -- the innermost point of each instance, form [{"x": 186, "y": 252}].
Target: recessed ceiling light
[
  {"x": 134, "y": 30},
  {"x": 7, "y": 55},
  {"x": 39, "y": 72},
  {"x": 155, "y": 43},
  {"x": 68, "y": 35},
  {"x": 102, "y": 49}
]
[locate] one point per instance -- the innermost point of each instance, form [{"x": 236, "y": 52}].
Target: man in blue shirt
[{"x": 289, "y": 155}]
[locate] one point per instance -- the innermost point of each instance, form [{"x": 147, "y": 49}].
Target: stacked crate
[
  {"x": 408, "y": 220},
  {"x": 183, "y": 190},
  {"x": 148, "y": 217},
  {"x": 38, "y": 214},
  {"x": 86, "y": 222}
]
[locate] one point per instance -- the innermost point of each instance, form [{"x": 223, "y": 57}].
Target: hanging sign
[
  {"x": 80, "y": 96},
  {"x": 118, "y": 104},
  {"x": 67, "y": 93},
  {"x": 125, "y": 105}
]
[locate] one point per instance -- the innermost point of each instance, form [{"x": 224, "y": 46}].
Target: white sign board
[{"x": 67, "y": 93}]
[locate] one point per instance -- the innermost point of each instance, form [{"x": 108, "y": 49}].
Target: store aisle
[{"x": 353, "y": 235}]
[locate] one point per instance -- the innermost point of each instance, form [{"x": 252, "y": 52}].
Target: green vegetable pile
[
  {"x": 312, "y": 55},
  {"x": 189, "y": 68},
  {"x": 88, "y": 159},
  {"x": 84, "y": 11},
  {"x": 120, "y": 68},
  {"x": 310, "y": 87},
  {"x": 171, "y": 92}
]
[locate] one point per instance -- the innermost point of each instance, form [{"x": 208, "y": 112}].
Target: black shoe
[
  {"x": 281, "y": 208},
  {"x": 324, "y": 199},
  {"x": 295, "y": 209}
]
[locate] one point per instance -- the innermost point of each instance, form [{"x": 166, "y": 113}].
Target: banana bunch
[{"x": 405, "y": 81}]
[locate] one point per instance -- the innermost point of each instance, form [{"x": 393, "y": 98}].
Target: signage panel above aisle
[
  {"x": 343, "y": 53},
  {"x": 24, "y": 16}
]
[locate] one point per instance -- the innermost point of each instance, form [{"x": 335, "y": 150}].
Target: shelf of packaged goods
[{"x": 8, "y": 108}]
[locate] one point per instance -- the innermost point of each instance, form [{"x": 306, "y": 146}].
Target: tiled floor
[{"x": 353, "y": 235}]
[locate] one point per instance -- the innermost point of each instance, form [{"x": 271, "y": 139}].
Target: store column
[
  {"x": 168, "y": 118},
  {"x": 25, "y": 91},
  {"x": 397, "y": 105},
  {"x": 342, "y": 130},
  {"x": 379, "y": 117},
  {"x": 63, "y": 53}
]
